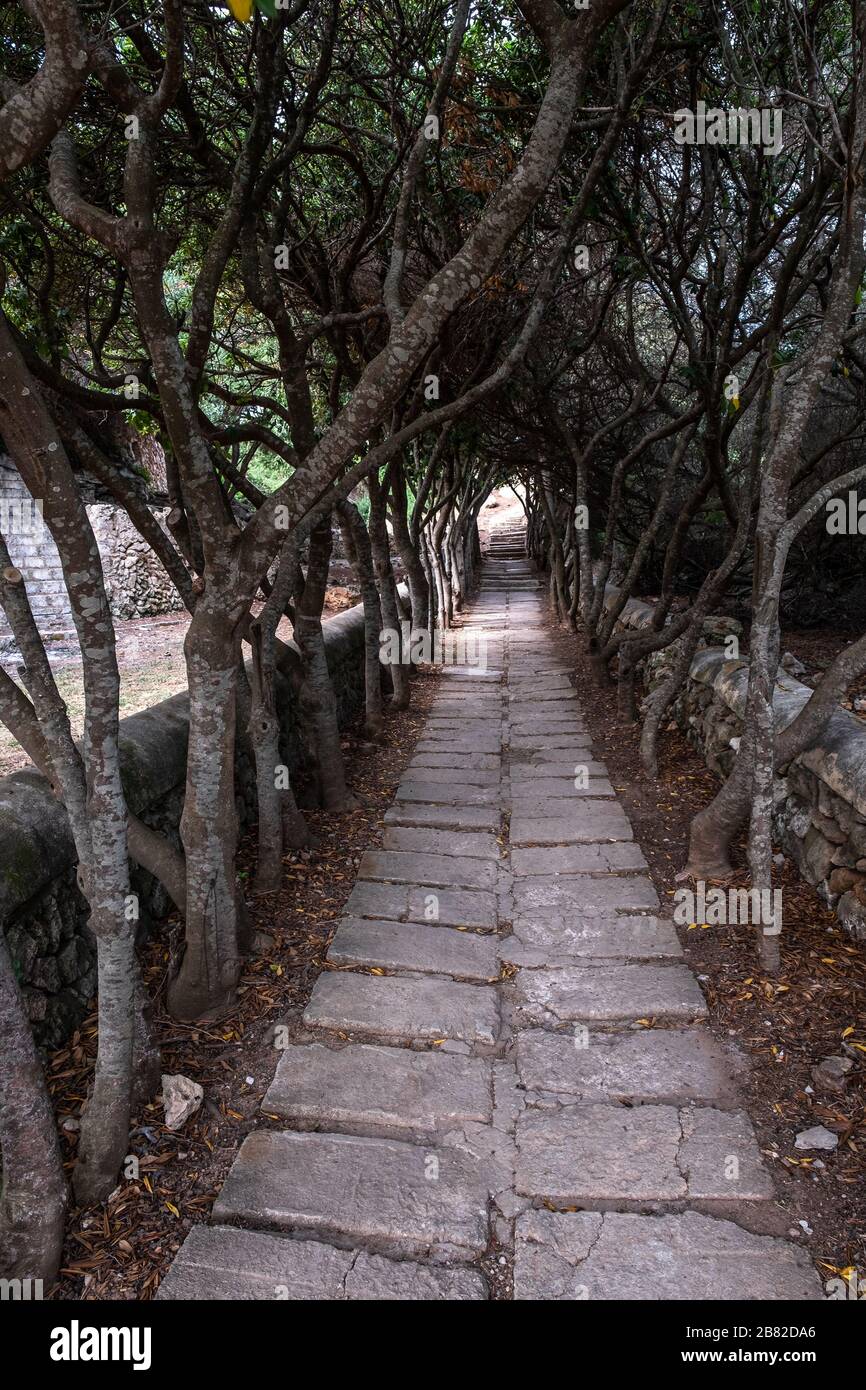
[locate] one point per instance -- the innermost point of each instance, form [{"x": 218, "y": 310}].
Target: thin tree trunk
[{"x": 34, "y": 1196}]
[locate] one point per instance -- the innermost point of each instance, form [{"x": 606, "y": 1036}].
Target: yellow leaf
[
  {"x": 241, "y": 9},
  {"x": 846, "y": 1032},
  {"x": 172, "y": 1208}
]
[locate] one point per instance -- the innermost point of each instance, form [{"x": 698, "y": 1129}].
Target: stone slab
[
  {"x": 541, "y": 783},
  {"x": 358, "y": 1191},
  {"x": 660, "y": 1065},
  {"x": 590, "y": 937},
  {"x": 458, "y": 761},
  {"x": 451, "y": 776},
  {"x": 466, "y": 843},
  {"x": 580, "y": 823},
  {"x": 451, "y": 793},
  {"x": 439, "y": 742},
  {"x": 379, "y": 1088},
  {"x": 574, "y": 893},
  {"x": 604, "y": 1256},
  {"x": 398, "y": 902},
  {"x": 608, "y": 994},
  {"x": 588, "y": 858},
  {"x": 439, "y": 870},
  {"x": 584, "y": 1154},
  {"x": 419, "y": 813},
  {"x": 415, "y": 946},
  {"x": 404, "y": 1007},
  {"x": 227, "y": 1263}
]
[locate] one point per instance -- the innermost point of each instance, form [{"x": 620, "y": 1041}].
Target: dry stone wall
[{"x": 820, "y": 805}]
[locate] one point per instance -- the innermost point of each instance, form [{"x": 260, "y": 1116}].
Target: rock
[
  {"x": 843, "y": 880},
  {"x": 817, "y": 1138},
  {"x": 832, "y": 1073},
  {"x": 792, "y": 665},
  {"x": 181, "y": 1098}
]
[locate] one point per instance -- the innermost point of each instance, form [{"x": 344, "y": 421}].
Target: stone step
[
  {"x": 421, "y": 814},
  {"x": 467, "y": 843},
  {"x": 582, "y": 893},
  {"x": 587, "y": 858},
  {"x": 609, "y": 1255},
  {"x": 610, "y": 994},
  {"x": 659, "y": 1065},
  {"x": 458, "y": 762},
  {"x": 581, "y": 1155},
  {"x": 404, "y": 1007},
  {"x": 438, "y": 742},
  {"x": 446, "y": 793},
  {"x": 413, "y": 946},
  {"x": 439, "y": 870},
  {"x": 226, "y": 1263},
  {"x": 585, "y": 938},
  {"x": 371, "y": 1090},
  {"x": 448, "y": 776},
  {"x": 580, "y": 823},
  {"x": 382, "y": 1194},
  {"x": 400, "y": 902},
  {"x": 537, "y": 790}
]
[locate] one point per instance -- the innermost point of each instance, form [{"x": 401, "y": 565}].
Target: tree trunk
[
  {"x": 34, "y": 1197},
  {"x": 206, "y": 980}
]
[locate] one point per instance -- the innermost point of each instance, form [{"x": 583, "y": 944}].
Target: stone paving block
[
  {"x": 613, "y": 1255},
  {"x": 371, "y": 1192},
  {"x": 562, "y": 744},
  {"x": 223, "y": 1262},
  {"x": 465, "y": 843},
  {"x": 540, "y": 791},
  {"x": 420, "y": 814},
  {"x": 452, "y": 793},
  {"x": 581, "y": 822},
  {"x": 720, "y": 1158},
  {"x": 577, "y": 859},
  {"x": 590, "y": 937},
  {"x": 379, "y": 1088},
  {"x": 609, "y": 994},
  {"x": 582, "y": 1154},
  {"x": 540, "y": 728},
  {"x": 552, "y": 762},
  {"x": 413, "y": 946},
  {"x": 447, "y": 907},
  {"x": 437, "y": 741},
  {"x": 439, "y": 870},
  {"x": 488, "y": 762},
  {"x": 661, "y": 1065},
  {"x": 374, "y": 1278},
  {"x": 574, "y": 893},
  {"x": 454, "y": 776},
  {"x": 403, "y": 1006}
]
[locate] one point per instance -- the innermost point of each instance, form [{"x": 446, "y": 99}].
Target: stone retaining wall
[
  {"x": 135, "y": 581},
  {"x": 41, "y": 908},
  {"x": 820, "y": 805}
]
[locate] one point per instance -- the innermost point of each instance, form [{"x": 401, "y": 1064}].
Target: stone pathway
[{"x": 527, "y": 1079}]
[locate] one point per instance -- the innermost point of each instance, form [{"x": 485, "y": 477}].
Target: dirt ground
[
  {"x": 151, "y": 663},
  {"x": 782, "y": 1026}
]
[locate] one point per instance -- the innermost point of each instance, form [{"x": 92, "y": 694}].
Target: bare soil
[{"x": 151, "y": 662}]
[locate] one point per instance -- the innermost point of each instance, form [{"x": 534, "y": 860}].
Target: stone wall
[
  {"x": 41, "y": 908},
  {"x": 136, "y": 583},
  {"x": 820, "y": 805}
]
